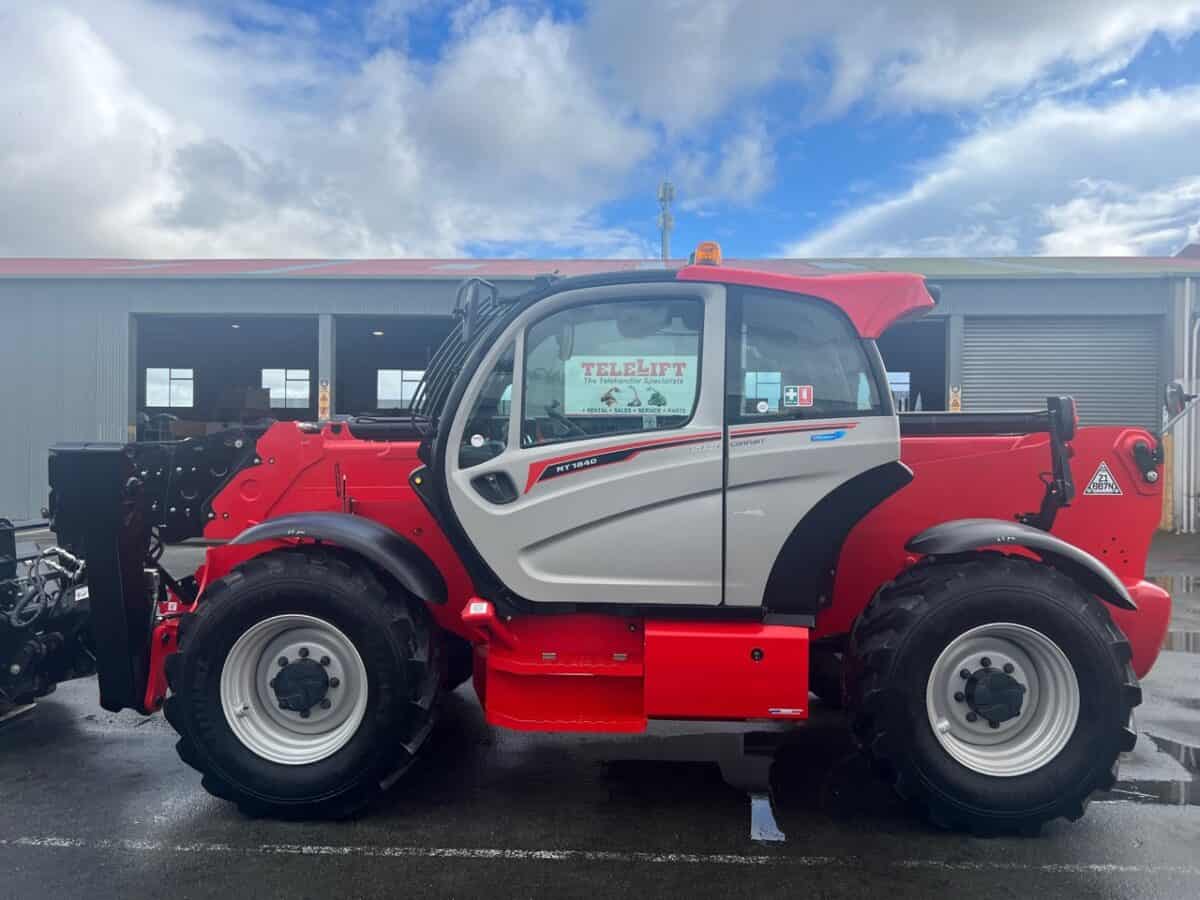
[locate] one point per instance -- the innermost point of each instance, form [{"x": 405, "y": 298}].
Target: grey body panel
[
  {"x": 645, "y": 531},
  {"x": 965, "y": 535},
  {"x": 775, "y": 479}
]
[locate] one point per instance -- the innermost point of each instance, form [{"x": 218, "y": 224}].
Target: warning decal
[{"x": 1103, "y": 483}]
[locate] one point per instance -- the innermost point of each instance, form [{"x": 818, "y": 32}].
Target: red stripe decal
[{"x": 537, "y": 470}]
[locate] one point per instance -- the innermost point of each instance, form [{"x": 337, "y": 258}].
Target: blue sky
[{"x": 431, "y": 128}]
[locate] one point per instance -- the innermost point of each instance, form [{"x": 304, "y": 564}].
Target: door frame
[{"x": 513, "y": 327}]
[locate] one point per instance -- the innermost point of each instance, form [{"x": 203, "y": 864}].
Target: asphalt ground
[{"x": 98, "y": 805}]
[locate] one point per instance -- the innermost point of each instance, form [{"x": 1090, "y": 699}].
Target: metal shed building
[{"x": 111, "y": 349}]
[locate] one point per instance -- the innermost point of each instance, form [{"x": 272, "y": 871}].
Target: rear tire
[
  {"x": 361, "y": 732},
  {"x": 930, "y": 639}
]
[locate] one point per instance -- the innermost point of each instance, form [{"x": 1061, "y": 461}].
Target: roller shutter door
[{"x": 1110, "y": 364}]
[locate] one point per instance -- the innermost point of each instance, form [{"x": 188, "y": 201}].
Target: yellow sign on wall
[{"x": 323, "y": 402}]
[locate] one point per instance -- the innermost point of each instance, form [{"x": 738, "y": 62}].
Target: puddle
[
  {"x": 1167, "y": 793},
  {"x": 785, "y": 777},
  {"x": 1185, "y": 754},
  {"x": 1183, "y": 790},
  {"x": 763, "y": 827},
  {"x": 819, "y": 770},
  {"x": 1182, "y": 641}
]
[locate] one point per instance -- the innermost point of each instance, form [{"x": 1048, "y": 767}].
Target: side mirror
[
  {"x": 466, "y": 304},
  {"x": 1176, "y": 399},
  {"x": 470, "y": 309},
  {"x": 1062, "y": 412}
]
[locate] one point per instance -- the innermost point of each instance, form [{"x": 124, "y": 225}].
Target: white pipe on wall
[
  {"x": 1193, "y": 431},
  {"x": 1182, "y": 461}
]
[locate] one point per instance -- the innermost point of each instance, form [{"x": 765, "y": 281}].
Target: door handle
[{"x": 495, "y": 487}]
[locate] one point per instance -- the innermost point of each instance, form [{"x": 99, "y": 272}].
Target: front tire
[
  {"x": 303, "y": 686},
  {"x": 992, "y": 691}
]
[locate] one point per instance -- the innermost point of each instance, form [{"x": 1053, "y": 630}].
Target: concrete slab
[{"x": 97, "y": 804}]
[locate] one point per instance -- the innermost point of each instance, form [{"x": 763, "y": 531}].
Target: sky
[{"x": 427, "y": 128}]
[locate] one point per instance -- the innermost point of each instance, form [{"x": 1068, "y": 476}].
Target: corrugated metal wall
[
  {"x": 65, "y": 378},
  {"x": 1112, "y": 365},
  {"x": 66, "y": 347}
]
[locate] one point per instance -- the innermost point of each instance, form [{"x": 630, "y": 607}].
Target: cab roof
[{"x": 873, "y": 301}]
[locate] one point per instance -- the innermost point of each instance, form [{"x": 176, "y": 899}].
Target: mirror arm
[{"x": 1187, "y": 408}]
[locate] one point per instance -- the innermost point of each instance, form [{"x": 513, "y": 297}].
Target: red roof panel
[{"x": 872, "y": 300}]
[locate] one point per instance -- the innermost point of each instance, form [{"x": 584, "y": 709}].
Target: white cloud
[
  {"x": 201, "y": 139},
  {"x": 738, "y": 173},
  {"x": 134, "y": 127},
  {"x": 1110, "y": 219},
  {"x": 686, "y": 61},
  {"x": 1062, "y": 178}
]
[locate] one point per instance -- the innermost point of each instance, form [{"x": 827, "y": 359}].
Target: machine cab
[{"x": 690, "y": 438}]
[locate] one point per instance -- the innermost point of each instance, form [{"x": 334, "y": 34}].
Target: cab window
[
  {"x": 616, "y": 367},
  {"x": 485, "y": 434},
  {"x": 793, "y": 357}
]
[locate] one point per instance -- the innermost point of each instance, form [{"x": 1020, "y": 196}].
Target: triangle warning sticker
[{"x": 1103, "y": 483}]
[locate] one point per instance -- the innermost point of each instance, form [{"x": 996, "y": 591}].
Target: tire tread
[
  {"x": 410, "y": 628},
  {"x": 875, "y": 641}
]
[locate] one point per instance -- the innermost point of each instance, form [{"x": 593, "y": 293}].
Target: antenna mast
[{"x": 666, "y": 221}]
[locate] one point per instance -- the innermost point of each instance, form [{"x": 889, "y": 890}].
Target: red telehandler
[{"x": 765, "y": 527}]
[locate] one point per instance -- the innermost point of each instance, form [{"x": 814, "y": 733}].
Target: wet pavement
[
  {"x": 96, "y": 804},
  {"x": 1169, "y": 718}
]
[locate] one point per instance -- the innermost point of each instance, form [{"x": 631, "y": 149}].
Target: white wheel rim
[
  {"x": 252, "y": 709},
  {"x": 1049, "y": 709}
]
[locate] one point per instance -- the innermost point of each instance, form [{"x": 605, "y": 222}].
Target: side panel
[
  {"x": 629, "y": 518},
  {"x": 589, "y": 672},
  {"x": 777, "y": 475},
  {"x": 997, "y": 477},
  {"x": 332, "y": 471},
  {"x": 726, "y": 670}
]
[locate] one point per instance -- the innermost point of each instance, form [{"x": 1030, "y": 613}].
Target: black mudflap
[{"x": 96, "y": 513}]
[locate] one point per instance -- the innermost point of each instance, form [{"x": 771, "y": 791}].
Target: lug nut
[
  {"x": 964, "y": 673},
  {"x": 986, "y": 663},
  {"x": 304, "y": 713},
  {"x": 972, "y": 716},
  {"x": 283, "y": 661},
  {"x": 334, "y": 682},
  {"x": 994, "y": 724},
  {"x": 1008, "y": 668},
  {"x": 325, "y": 704},
  {"x": 303, "y": 652},
  {"x": 324, "y": 660},
  {"x": 960, "y": 696}
]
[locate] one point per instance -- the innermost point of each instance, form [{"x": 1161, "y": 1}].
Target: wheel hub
[
  {"x": 294, "y": 689},
  {"x": 994, "y": 695},
  {"x": 1002, "y": 699},
  {"x": 300, "y": 685}
]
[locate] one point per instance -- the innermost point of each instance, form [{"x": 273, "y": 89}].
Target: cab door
[
  {"x": 585, "y": 462},
  {"x": 813, "y": 446}
]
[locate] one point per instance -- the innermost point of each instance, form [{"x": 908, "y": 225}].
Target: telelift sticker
[
  {"x": 798, "y": 395},
  {"x": 1103, "y": 484}
]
